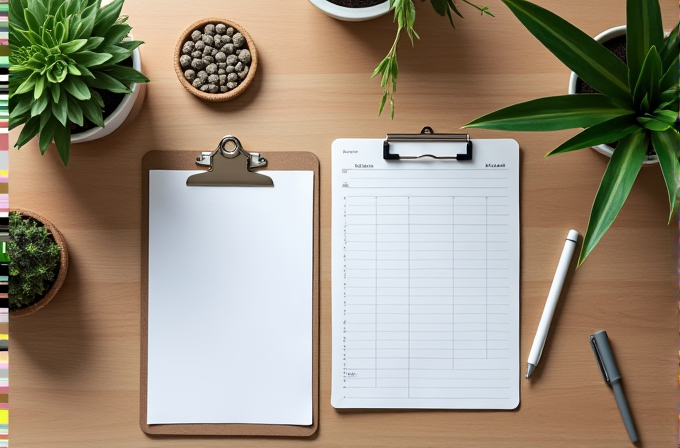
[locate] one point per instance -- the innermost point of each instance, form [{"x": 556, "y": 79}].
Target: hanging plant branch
[{"x": 405, "y": 16}]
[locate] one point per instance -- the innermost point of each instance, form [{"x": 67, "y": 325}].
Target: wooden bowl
[
  {"x": 186, "y": 35},
  {"x": 63, "y": 265}
]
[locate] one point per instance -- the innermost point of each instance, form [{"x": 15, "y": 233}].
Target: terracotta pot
[
  {"x": 63, "y": 265},
  {"x": 186, "y": 35}
]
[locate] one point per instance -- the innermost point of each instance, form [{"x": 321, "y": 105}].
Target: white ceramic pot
[
  {"x": 116, "y": 119},
  {"x": 352, "y": 14},
  {"x": 604, "y": 36}
]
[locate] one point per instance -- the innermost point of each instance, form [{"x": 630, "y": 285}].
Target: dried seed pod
[
  {"x": 245, "y": 56},
  {"x": 220, "y": 28},
  {"x": 232, "y": 77},
  {"x": 211, "y": 69},
  {"x": 197, "y": 54},
  {"x": 230, "y": 31},
  {"x": 232, "y": 85},
  {"x": 213, "y": 79},
  {"x": 185, "y": 60},
  {"x": 208, "y": 39},
  {"x": 190, "y": 75},
  {"x": 209, "y": 29},
  {"x": 197, "y": 83},
  {"x": 200, "y": 45},
  {"x": 197, "y": 64},
  {"x": 196, "y": 36},
  {"x": 232, "y": 59},
  {"x": 213, "y": 88},
  {"x": 239, "y": 40}
]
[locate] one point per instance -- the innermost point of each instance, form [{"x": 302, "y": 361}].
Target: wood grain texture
[{"x": 75, "y": 364}]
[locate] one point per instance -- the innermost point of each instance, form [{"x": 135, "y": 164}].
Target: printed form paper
[
  {"x": 425, "y": 276},
  {"x": 230, "y": 301}
]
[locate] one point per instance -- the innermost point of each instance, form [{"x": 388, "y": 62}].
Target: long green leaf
[
  {"x": 90, "y": 59},
  {"x": 605, "y": 132},
  {"x": 107, "y": 16},
  {"x": 653, "y": 124},
  {"x": 77, "y": 88},
  {"x": 46, "y": 134},
  {"x": 648, "y": 81},
  {"x": 666, "y": 145},
  {"x": 27, "y": 85},
  {"x": 59, "y": 109},
  {"x": 616, "y": 183},
  {"x": 126, "y": 75},
  {"x": 29, "y": 131},
  {"x": 39, "y": 104},
  {"x": 590, "y": 60},
  {"x": 552, "y": 114},
  {"x": 670, "y": 47},
  {"x": 93, "y": 112},
  {"x": 643, "y": 30},
  {"x": 670, "y": 78},
  {"x": 74, "y": 112},
  {"x": 20, "y": 107},
  {"x": 62, "y": 138},
  {"x": 103, "y": 81},
  {"x": 73, "y": 46}
]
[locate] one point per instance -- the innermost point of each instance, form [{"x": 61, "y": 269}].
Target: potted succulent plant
[
  {"x": 638, "y": 103},
  {"x": 73, "y": 68},
  {"x": 38, "y": 261}
]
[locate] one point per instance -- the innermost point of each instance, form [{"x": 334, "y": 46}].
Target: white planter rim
[
  {"x": 352, "y": 14},
  {"x": 118, "y": 116}
]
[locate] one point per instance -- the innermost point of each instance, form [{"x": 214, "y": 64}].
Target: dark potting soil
[
  {"x": 111, "y": 102},
  {"x": 616, "y": 46},
  {"x": 356, "y": 3}
]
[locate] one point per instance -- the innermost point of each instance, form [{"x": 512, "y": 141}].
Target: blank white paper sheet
[
  {"x": 425, "y": 276},
  {"x": 230, "y": 301}
]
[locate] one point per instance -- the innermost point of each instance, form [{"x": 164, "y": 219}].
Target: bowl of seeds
[{"x": 215, "y": 59}]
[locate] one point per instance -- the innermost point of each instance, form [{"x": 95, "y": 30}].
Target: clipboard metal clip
[
  {"x": 428, "y": 135},
  {"x": 230, "y": 167}
]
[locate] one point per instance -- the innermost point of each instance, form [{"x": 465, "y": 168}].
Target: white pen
[{"x": 551, "y": 302}]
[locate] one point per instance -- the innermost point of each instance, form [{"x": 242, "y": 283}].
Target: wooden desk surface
[{"x": 75, "y": 365}]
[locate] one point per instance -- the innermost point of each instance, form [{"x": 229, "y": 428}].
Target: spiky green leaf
[
  {"x": 125, "y": 75},
  {"x": 117, "y": 33},
  {"x": 614, "y": 188},
  {"x": 62, "y": 138},
  {"x": 77, "y": 88},
  {"x": 47, "y": 134},
  {"x": 73, "y": 110},
  {"x": 107, "y": 16},
  {"x": 643, "y": 31},
  {"x": 581, "y": 53},
  {"x": 59, "y": 109},
  {"x": 39, "y": 105},
  {"x": 653, "y": 124},
  {"x": 666, "y": 145},
  {"x": 669, "y": 49},
  {"x": 93, "y": 112},
  {"x": 648, "y": 81},
  {"x": 103, "y": 81},
  {"x": 552, "y": 114},
  {"x": 605, "y": 132},
  {"x": 29, "y": 131},
  {"x": 90, "y": 59},
  {"x": 72, "y": 46}
]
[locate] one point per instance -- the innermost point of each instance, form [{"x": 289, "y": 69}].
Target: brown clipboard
[{"x": 187, "y": 160}]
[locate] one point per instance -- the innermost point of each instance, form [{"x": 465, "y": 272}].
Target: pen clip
[{"x": 598, "y": 357}]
